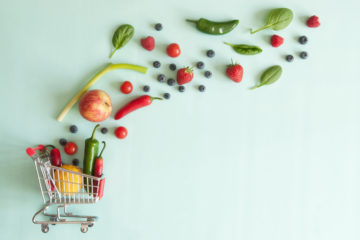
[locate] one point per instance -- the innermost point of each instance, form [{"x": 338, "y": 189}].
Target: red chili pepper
[
  {"x": 99, "y": 163},
  {"x": 55, "y": 157},
  {"x": 137, "y": 103}
]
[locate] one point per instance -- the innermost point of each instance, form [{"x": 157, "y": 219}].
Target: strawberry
[
  {"x": 148, "y": 43},
  {"x": 184, "y": 75},
  {"x": 313, "y": 22},
  {"x": 235, "y": 72},
  {"x": 276, "y": 40}
]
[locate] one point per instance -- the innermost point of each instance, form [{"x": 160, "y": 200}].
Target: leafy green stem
[{"x": 112, "y": 53}]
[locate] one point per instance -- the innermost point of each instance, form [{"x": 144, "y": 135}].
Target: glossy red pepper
[
  {"x": 137, "y": 103},
  {"x": 55, "y": 157},
  {"x": 99, "y": 163}
]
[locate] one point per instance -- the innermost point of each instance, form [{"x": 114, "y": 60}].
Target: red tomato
[
  {"x": 126, "y": 87},
  {"x": 173, "y": 50},
  {"x": 121, "y": 132},
  {"x": 70, "y": 148}
]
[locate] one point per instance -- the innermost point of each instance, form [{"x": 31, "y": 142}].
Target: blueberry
[
  {"x": 156, "y": 64},
  {"x": 208, "y": 74},
  {"x": 200, "y": 65},
  {"x": 289, "y": 58},
  {"x": 158, "y": 27},
  {"x": 171, "y": 82},
  {"x": 161, "y": 78},
  {"x": 303, "y": 40},
  {"x": 75, "y": 162},
  {"x": 181, "y": 89},
  {"x": 172, "y": 67},
  {"x": 104, "y": 130},
  {"x": 202, "y": 88},
  {"x": 73, "y": 129},
  {"x": 210, "y": 53},
  {"x": 62, "y": 141},
  {"x": 303, "y": 55},
  {"x": 146, "y": 88},
  {"x": 166, "y": 95}
]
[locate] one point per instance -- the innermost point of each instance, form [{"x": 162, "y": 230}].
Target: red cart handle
[{"x": 31, "y": 151}]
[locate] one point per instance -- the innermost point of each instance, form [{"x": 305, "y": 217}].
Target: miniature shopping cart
[{"x": 61, "y": 187}]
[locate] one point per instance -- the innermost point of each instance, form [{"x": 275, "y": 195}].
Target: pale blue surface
[{"x": 277, "y": 163}]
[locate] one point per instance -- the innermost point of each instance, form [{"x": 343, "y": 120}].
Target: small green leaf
[
  {"x": 278, "y": 18},
  {"x": 122, "y": 36},
  {"x": 270, "y": 76},
  {"x": 245, "y": 49}
]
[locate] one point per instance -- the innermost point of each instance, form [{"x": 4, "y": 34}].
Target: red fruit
[
  {"x": 148, "y": 43},
  {"x": 126, "y": 87},
  {"x": 173, "y": 50},
  {"x": 235, "y": 72},
  {"x": 276, "y": 40},
  {"x": 184, "y": 75},
  {"x": 313, "y": 22},
  {"x": 121, "y": 132},
  {"x": 70, "y": 148}
]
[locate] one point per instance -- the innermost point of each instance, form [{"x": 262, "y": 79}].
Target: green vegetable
[
  {"x": 214, "y": 28},
  {"x": 122, "y": 36},
  {"x": 92, "y": 81},
  {"x": 245, "y": 49},
  {"x": 270, "y": 76},
  {"x": 90, "y": 154},
  {"x": 278, "y": 18}
]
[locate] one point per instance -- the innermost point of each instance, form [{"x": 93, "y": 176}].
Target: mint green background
[{"x": 277, "y": 163}]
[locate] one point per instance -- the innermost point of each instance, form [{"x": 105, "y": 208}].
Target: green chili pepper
[
  {"x": 245, "y": 49},
  {"x": 214, "y": 28},
  {"x": 91, "y": 152}
]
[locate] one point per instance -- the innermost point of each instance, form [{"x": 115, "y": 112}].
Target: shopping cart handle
[{"x": 31, "y": 151}]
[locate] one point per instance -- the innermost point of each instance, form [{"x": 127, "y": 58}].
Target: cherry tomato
[
  {"x": 121, "y": 132},
  {"x": 70, "y": 148},
  {"x": 126, "y": 87},
  {"x": 173, "y": 50}
]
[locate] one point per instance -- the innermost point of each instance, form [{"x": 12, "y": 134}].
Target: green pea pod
[
  {"x": 245, "y": 49},
  {"x": 271, "y": 75},
  {"x": 122, "y": 36},
  {"x": 214, "y": 28},
  {"x": 90, "y": 154}
]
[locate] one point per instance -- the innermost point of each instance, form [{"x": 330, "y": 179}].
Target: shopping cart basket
[{"x": 63, "y": 187}]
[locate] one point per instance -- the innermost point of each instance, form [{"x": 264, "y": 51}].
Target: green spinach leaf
[
  {"x": 245, "y": 49},
  {"x": 122, "y": 36},
  {"x": 278, "y": 18},
  {"x": 270, "y": 76}
]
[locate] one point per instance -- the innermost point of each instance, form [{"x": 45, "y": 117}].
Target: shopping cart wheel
[
  {"x": 44, "y": 228},
  {"x": 84, "y": 228}
]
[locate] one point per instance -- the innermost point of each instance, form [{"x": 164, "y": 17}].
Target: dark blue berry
[
  {"x": 289, "y": 58},
  {"x": 73, "y": 129},
  {"x": 303, "y": 55},
  {"x": 210, "y": 53},
  {"x": 202, "y": 88},
  {"x": 146, "y": 88},
  {"x": 171, "y": 82},
  {"x": 181, "y": 89},
  {"x": 156, "y": 64},
  {"x": 172, "y": 67},
  {"x": 62, "y": 141},
  {"x": 158, "y": 27},
  {"x": 75, "y": 162},
  {"x": 303, "y": 40},
  {"x": 166, "y": 95},
  {"x": 104, "y": 130},
  {"x": 200, "y": 65},
  {"x": 208, "y": 74},
  {"x": 161, "y": 78}
]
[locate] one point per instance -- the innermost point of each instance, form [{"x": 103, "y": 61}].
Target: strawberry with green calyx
[
  {"x": 235, "y": 72},
  {"x": 184, "y": 75}
]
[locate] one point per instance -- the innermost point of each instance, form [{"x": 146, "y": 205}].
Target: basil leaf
[
  {"x": 245, "y": 49},
  {"x": 122, "y": 36},
  {"x": 270, "y": 76},
  {"x": 278, "y": 18}
]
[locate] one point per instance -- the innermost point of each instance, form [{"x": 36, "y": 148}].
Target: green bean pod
[
  {"x": 214, "y": 28},
  {"x": 245, "y": 49}
]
